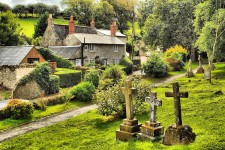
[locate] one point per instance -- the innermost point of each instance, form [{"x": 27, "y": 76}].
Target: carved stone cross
[
  {"x": 128, "y": 91},
  {"x": 154, "y": 102},
  {"x": 177, "y": 95}
]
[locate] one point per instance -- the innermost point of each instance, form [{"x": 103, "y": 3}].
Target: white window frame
[
  {"x": 91, "y": 47},
  {"x": 115, "y": 48},
  {"x": 78, "y": 62}
]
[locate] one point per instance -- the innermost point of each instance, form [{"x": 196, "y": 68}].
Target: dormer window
[{"x": 115, "y": 48}]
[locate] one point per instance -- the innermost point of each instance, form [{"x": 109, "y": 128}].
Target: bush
[
  {"x": 127, "y": 63},
  {"x": 114, "y": 72},
  {"x": 49, "y": 56},
  {"x": 178, "y": 49},
  {"x": 175, "y": 61},
  {"x": 112, "y": 101},
  {"x": 83, "y": 91},
  {"x": 18, "y": 109},
  {"x": 68, "y": 77},
  {"x": 93, "y": 77},
  {"x": 155, "y": 66},
  {"x": 54, "y": 83}
]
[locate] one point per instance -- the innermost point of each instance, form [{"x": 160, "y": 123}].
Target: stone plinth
[
  {"x": 178, "y": 135},
  {"x": 128, "y": 130},
  {"x": 200, "y": 70},
  {"x": 151, "y": 131}
]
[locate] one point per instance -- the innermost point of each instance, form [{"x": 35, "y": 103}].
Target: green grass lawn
[
  {"x": 27, "y": 24},
  {"x": 203, "y": 111}
]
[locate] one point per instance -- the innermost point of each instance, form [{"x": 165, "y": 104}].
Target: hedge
[
  {"x": 68, "y": 77},
  {"x": 127, "y": 63},
  {"x": 54, "y": 84}
]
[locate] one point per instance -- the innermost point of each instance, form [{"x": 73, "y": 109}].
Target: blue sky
[{"x": 12, "y": 3}]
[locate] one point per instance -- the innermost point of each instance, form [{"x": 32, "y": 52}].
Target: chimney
[
  {"x": 71, "y": 26},
  {"x": 93, "y": 23},
  {"x": 50, "y": 20},
  {"x": 113, "y": 28}
]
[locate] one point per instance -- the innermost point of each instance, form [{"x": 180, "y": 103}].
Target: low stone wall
[
  {"x": 10, "y": 75},
  {"x": 29, "y": 91}
]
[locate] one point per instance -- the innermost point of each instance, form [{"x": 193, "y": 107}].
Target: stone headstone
[
  {"x": 152, "y": 129},
  {"x": 200, "y": 68},
  {"x": 207, "y": 74},
  {"x": 178, "y": 133},
  {"x": 130, "y": 126},
  {"x": 189, "y": 70}
]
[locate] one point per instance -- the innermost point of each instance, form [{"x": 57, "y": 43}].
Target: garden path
[{"x": 47, "y": 121}]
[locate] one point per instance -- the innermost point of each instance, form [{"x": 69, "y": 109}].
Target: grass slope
[{"x": 203, "y": 111}]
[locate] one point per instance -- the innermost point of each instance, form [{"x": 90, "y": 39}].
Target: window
[
  {"x": 78, "y": 62},
  {"x": 115, "y": 48},
  {"x": 115, "y": 61},
  {"x": 32, "y": 60},
  {"x": 91, "y": 48}
]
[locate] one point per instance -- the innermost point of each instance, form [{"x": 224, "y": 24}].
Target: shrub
[
  {"x": 127, "y": 63},
  {"x": 54, "y": 83},
  {"x": 114, "y": 72},
  {"x": 68, "y": 77},
  {"x": 18, "y": 109},
  {"x": 41, "y": 75},
  {"x": 112, "y": 101},
  {"x": 83, "y": 91},
  {"x": 155, "y": 66},
  {"x": 49, "y": 56},
  {"x": 178, "y": 49},
  {"x": 93, "y": 77},
  {"x": 175, "y": 61}
]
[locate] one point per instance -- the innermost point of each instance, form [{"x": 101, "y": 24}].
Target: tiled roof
[
  {"x": 108, "y": 32},
  {"x": 68, "y": 52},
  {"x": 98, "y": 39},
  {"x": 13, "y": 55}
]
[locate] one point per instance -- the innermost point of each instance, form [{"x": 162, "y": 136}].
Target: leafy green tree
[
  {"x": 30, "y": 9},
  {"x": 103, "y": 12},
  {"x": 41, "y": 25},
  {"x": 81, "y": 9},
  {"x": 19, "y": 9},
  {"x": 54, "y": 9},
  {"x": 4, "y": 7},
  {"x": 40, "y": 8},
  {"x": 9, "y": 29}
]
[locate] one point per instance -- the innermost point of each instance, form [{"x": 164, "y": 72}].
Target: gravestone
[
  {"x": 189, "y": 70},
  {"x": 200, "y": 68},
  {"x": 178, "y": 133},
  {"x": 130, "y": 126},
  {"x": 152, "y": 129}
]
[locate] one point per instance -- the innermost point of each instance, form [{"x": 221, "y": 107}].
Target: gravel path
[{"x": 47, "y": 121}]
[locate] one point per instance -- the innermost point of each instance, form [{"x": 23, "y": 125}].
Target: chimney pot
[
  {"x": 71, "y": 26},
  {"x": 50, "y": 20},
  {"x": 93, "y": 23},
  {"x": 113, "y": 28}
]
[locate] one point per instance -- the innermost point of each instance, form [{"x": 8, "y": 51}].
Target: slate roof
[
  {"x": 13, "y": 55},
  {"x": 68, "y": 52},
  {"x": 63, "y": 30},
  {"x": 98, "y": 39},
  {"x": 108, "y": 32}
]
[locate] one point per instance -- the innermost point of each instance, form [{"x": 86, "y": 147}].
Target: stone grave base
[
  {"x": 128, "y": 130},
  {"x": 178, "y": 135},
  {"x": 151, "y": 131},
  {"x": 189, "y": 74},
  {"x": 200, "y": 70}
]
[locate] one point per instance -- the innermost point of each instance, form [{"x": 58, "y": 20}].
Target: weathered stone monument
[
  {"x": 130, "y": 126},
  {"x": 178, "y": 133},
  {"x": 152, "y": 129},
  {"x": 200, "y": 68},
  {"x": 189, "y": 70}
]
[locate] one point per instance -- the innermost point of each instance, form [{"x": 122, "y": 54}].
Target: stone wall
[
  {"x": 10, "y": 75},
  {"x": 50, "y": 37},
  {"x": 29, "y": 91}
]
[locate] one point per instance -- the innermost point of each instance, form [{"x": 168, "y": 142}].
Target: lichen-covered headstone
[
  {"x": 189, "y": 70},
  {"x": 200, "y": 68}
]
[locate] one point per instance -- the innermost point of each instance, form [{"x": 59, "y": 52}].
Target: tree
[
  {"x": 81, "y": 9},
  {"x": 40, "y": 8},
  {"x": 103, "y": 12},
  {"x": 30, "y": 9},
  {"x": 41, "y": 25},
  {"x": 4, "y": 7},
  {"x": 54, "y": 9},
  {"x": 19, "y": 9},
  {"x": 9, "y": 30}
]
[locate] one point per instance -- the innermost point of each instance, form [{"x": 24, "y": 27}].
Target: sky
[{"x": 12, "y": 3}]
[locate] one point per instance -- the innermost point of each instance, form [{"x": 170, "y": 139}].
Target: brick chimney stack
[
  {"x": 113, "y": 28},
  {"x": 50, "y": 20},
  {"x": 71, "y": 26},
  {"x": 93, "y": 23}
]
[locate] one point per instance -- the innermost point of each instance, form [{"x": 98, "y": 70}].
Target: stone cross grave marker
[
  {"x": 177, "y": 95},
  {"x": 200, "y": 62},
  {"x": 154, "y": 102},
  {"x": 128, "y": 92}
]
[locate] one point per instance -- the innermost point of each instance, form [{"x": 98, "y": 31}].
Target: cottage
[{"x": 107, "y": 46}]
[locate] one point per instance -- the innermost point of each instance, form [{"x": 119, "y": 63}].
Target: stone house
[
  {"x": 106, "y": 46},
  {"x": 16, "y": 62}
]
